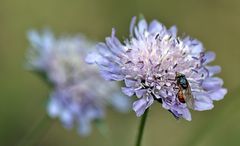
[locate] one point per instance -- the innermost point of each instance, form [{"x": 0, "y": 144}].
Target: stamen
[
  {"x": 194, "y": 70},
  {"x": 175, "y": 66},
  {"x": 195, "y": 58},
  {"x": 178, "y": 40},
  {"x": 150, "y": 61},
  {"x": 156, "y": 37},
  {"x": 128, "y": 62},
  {"x": 158, "y": 65},
  {"x": 129, "y": 50}
]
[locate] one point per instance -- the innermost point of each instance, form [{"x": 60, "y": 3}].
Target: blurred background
[{"x": 23, "y": 94}]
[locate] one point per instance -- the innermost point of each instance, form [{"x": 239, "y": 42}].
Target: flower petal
[
  {"x": 67, "y": 118},
  {"x": 209, "y": 57},
  {"x": 212, "y": 83},
  {"x": 201, "y": 106},
  {"x": 142, "y": 26},
  {"x": 111, "y": 76},
  {"x": 105, "y": 51},
  {"x": 218, "y": 94},
  {"x": 130, "y": 82},
  {"x": 132, "y": 24},
  {"x": 213, "y": 70},
  {"x": 53, "y": 108},
  {"x": 140, "y": 106},
  {"x": 92, "y": 57},
  {"x": 128, "y": 91},
  {"x": 165, "y": 105},
  {"x": 114, "y": 46},
  {"x": 195, "y": 45},
  {"x": 173, "y": 31},
  {"x": 155, "y": 26},
  {"x": 202, "y": 101},
  {"x": 186, "y": 114},
  {"x": 140, "y": 93},
  {"x": 150, "y": 100},
  {"x": 175, "y": 113}
]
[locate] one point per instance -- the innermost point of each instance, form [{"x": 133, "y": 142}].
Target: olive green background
[{"x": 23, "y": 94}]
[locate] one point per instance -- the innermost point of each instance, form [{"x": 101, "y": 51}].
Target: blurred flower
[
  {"x": 151, "y": 62},
  {"x": 80, "y": 94}
]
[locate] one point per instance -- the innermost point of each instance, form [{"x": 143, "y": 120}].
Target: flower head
[
  {"x": 149, "y": 63},
  {"x": 80, "y": 95}
]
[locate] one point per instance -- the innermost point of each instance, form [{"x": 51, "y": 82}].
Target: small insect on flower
[
  {"x": 184, "y": 93},
  {"x": 157, "y": 65}
]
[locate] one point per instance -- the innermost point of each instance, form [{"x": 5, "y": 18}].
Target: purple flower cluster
[
  {"x": 148, "y": 63},
  {"x": 80, "y": 95}
]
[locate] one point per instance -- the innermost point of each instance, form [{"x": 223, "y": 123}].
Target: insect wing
[{"x": 189, "y": 97}]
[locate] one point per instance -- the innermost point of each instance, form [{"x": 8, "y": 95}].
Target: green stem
[
  {"x": 37, "y": 132},
  {"x": 141, "y": 128}
]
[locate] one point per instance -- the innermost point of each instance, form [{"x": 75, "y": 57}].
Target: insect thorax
[{"x": 182, "y": 81}]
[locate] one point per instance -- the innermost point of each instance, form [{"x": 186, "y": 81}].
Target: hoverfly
[{"x": 184, "y": 93}]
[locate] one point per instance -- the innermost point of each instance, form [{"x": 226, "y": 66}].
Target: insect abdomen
[{"x": 181, "y": 96}]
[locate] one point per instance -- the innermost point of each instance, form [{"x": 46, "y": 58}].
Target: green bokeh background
[{"x": 23, "y": 95}]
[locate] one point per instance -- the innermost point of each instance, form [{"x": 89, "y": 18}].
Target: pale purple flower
[
  {"x": 79, "y": 94},
  {"x": 148, "y": 62}
]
